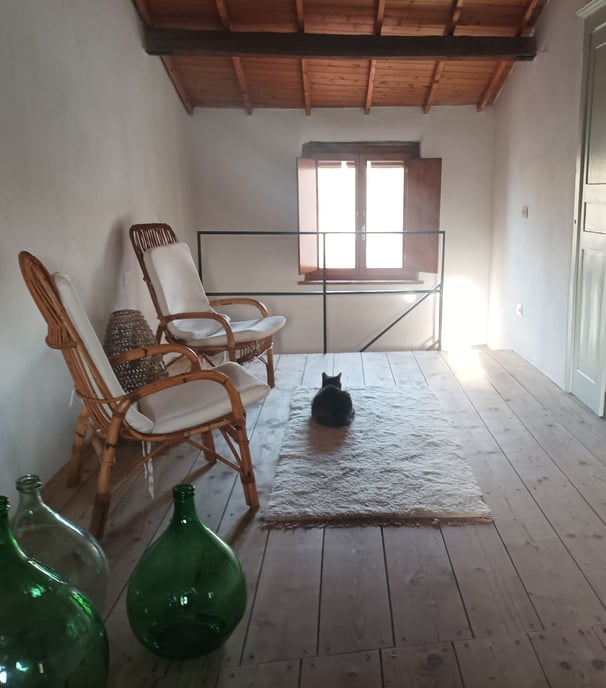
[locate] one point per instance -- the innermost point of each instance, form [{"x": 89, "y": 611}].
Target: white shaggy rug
[{"x": 397, "y": 463}]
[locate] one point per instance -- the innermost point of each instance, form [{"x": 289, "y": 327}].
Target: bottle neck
[
  {"x": 184, "y": 505},
  {"x": 185, "y": 512},
  {"x": 30, "y": 496}
]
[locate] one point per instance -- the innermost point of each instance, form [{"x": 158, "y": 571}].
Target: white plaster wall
[
  {"x": 536, "y": 143},
  {"x": 245, "y": 179},
  {"x": 92, "y": 139}
]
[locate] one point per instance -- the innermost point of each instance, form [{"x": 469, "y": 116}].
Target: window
[{"x": 363, "y": 195}]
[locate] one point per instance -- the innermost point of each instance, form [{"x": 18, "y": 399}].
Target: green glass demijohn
[
  {"x": 58, "y": 543},
  {"x": 188, "y": 591},
  {"x": 51, "y": 636}
]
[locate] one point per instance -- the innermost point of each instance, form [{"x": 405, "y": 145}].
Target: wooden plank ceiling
[{"x": 310, "y": 54}]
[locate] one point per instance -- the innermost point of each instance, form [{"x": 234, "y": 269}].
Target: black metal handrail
[{"x": 325, "y": 292}]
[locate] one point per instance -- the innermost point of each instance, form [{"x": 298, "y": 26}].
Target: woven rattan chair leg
[
  {"x": 75, "y": 462},
  {"x": 104, "y": 495},
  {"x": 209, "y": 441},
  {"x": 247, "y": 475},
  {"x": 99, "y": 515},
  {"x": 250, "y": 491},
  {"x": 269, "y": 364}
]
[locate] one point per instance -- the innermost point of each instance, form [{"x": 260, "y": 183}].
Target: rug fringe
[{"x": 351, "y": 522}]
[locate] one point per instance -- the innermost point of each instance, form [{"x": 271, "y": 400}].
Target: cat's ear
[
  {"x": 324, "y": 376},
  {"x": 338, "y": 377}
]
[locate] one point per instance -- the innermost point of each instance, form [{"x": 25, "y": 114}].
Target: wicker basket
[{"x": 127, "y": 329}]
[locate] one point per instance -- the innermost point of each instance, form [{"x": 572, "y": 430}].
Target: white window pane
[
  {"x": 384, "y": 213},
  {"x": 384, "y": 251},
  {"x": 340, "y": 251},
  {"x": 337, "y": 213}
]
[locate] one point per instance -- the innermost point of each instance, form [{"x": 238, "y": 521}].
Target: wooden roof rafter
[
  {"x": 373, "y": 63},
  {"x": 370, "y": 86},
  {"x": 236, "y": 61},
  {"x": 453, "y": 20},
  {"x": 504, "y": 66},
  {"x": 167, "y": 60},
  {"x": 243, "y": 84},
  {"x": 433, "y": 86},
  {"x": 304, "y": 66},
  {"x": 528, "y": 15},
  {"x": 223, "y": 15},
  {"x": 380, "y": 17},
  {"x": 306, "y": 91},
  {"x": 336, "y": 54},
  {"x": 491, "y": 90},
  {"x": 300, "y": 15}
]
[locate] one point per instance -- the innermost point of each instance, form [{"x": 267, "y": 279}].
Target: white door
[{"x": 589, "y": 334}]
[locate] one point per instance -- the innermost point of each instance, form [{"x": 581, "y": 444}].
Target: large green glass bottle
[
  {"x": 50, "y": 635},
  {"x": 58, "y": 543},
  {"x": 188, "y": 592}
]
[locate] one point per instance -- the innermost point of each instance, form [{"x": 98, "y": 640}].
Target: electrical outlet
[{"x": 519, "y": 310}]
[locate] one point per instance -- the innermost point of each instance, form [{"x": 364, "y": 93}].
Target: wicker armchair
[
  {"x": 166, "y": 412},
  {"x": 186, "y": 315}
]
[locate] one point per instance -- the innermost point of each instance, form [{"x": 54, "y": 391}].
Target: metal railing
[{"x": 437, "y": 288}]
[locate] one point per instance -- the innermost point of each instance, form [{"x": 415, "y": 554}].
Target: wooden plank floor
[{"x": 519, "y": 603}]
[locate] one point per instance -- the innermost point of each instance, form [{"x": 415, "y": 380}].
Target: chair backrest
[
  {"x": 178, "y": 288},
  {"x": 146, "y": 236},
  {"x": 70, "y": 331}
]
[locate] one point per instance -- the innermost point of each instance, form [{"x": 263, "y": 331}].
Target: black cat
[{"x": 332, "y": 405}]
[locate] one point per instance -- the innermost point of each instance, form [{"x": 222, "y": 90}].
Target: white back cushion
[
  {"x": 72, "y": 304},
  {"x": 175, "y": 279}
]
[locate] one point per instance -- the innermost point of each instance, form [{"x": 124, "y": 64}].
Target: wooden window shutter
[
  {"x": 422, "y": 212},
  {"x": 307, "y": 176}
]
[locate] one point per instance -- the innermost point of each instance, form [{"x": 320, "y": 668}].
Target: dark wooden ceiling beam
[{"x": 302, "y": 45}]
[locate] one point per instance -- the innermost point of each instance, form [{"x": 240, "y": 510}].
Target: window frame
[{"x": 309, "y": 241}]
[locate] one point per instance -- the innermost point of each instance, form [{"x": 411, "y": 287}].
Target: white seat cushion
[
  {"x": 175, "y": 280},
  {"x": 72, "y": 304},
  {"x": 197, "y": 402}
]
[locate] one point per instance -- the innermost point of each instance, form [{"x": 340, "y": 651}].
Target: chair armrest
[
  {"x": 155, "y": 350},
  {"x": 242, "y": 300},
  {"x": 205, "y": 315}
]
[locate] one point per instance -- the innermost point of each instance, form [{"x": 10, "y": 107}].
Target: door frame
[{"x": 594, "y": 14}]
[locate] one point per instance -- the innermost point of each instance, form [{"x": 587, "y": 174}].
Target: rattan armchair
[
  {"x": 185, "y": 314},
  {"x": 166, "y": 412}
]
